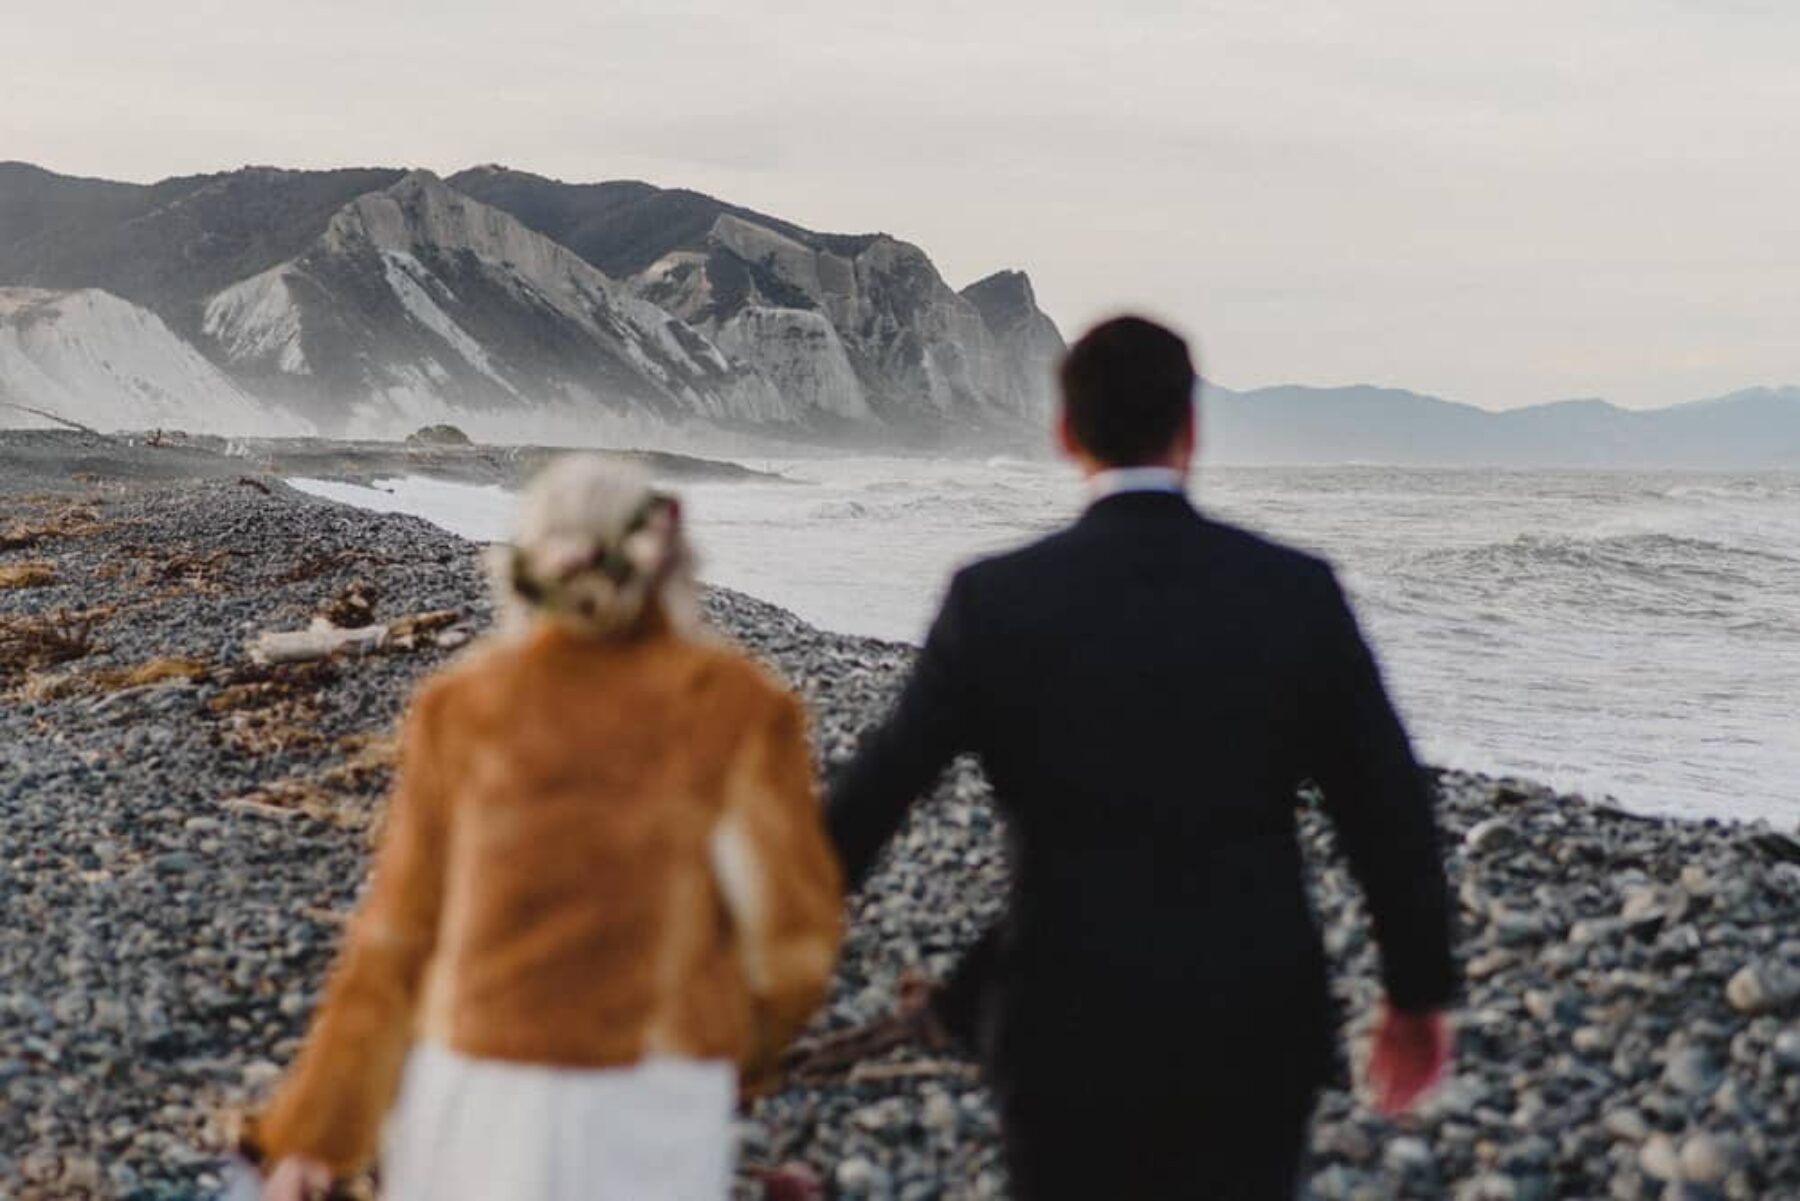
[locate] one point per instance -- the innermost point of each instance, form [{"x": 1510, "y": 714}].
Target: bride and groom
[{"x": 607, "y": 896}]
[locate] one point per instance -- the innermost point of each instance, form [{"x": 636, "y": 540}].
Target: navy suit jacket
[{"x": 1146, "y": 690}]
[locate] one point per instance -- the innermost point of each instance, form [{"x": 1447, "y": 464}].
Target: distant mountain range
[
  {"x": 1759, "y": 427},
  {"x": 370, "y": 302}
]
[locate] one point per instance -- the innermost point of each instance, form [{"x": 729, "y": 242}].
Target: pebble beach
[{"x": 183, "y": 831}]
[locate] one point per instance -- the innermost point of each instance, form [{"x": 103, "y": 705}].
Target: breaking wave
[{"x": 1636, "y": 635}]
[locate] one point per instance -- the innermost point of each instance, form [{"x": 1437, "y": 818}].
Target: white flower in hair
[{"x": 596, "y": 544}]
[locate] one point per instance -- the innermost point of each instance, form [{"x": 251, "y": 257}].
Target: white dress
[{"x": 466, "y": 1129}]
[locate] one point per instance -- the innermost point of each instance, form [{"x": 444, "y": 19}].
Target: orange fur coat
[{"x": 596, "y": 851}]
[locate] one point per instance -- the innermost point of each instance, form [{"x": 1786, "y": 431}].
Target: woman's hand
[
  {"x": 297, "y": 1178},
  {"x": 1410, "y": 1054}
]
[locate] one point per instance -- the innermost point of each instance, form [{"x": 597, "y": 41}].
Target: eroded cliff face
[
  {"x": 799, "y": 352},
  {"x": 923, "y": 357},
  {"x": 419, "y": 303},
  {"x": 370, "y": 301},
  {"x": 864, "y": 331},
  {"x": 1030, "y": 344},
  {"x": 89, "y": 357}
]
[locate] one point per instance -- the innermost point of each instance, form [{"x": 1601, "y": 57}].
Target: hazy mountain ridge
[
  {"x": 369, "y": 300},
  {"x": 1756, "y": 427},
  {"x": 623, "y": 226},
  {"x": 182, "y": 239},
  {"x": 365, "y": 301},
  {"x": 34, "y": 202}
]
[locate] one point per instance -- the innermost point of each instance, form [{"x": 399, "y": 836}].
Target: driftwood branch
[
  {"x": 47, "y": 415},
  {"x": 324, "y": 638},
  {"x": 321, "y": 641},
  {"x": 918, "y": 1069},
  {"x": 132, "y": 693}
]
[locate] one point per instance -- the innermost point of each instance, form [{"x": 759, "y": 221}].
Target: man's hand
[
  {"x": 297, "y": 1179},
  {"x": 1409, "y": 1056}
]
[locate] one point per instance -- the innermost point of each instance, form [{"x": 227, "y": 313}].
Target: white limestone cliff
[{"x": 94, "y": 359}]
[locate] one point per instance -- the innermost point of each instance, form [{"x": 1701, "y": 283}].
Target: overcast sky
[{"x": 1498, "y": 201}]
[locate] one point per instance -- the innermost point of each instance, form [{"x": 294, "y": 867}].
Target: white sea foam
[
  {"x": 481, "y": 513},
  {"x": 1633, "y": 635}
]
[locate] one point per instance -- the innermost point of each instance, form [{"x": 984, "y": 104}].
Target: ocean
[{"x": 1626, "y": 635}]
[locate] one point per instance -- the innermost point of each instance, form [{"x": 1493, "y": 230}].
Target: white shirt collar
[{"x": 1135, "y": 479}]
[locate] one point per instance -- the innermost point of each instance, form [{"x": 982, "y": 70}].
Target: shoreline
[
  {"x": 183, "y": 848},
  {"x": 1473, "y": 703},
  {"x": 70, "y": 457}
]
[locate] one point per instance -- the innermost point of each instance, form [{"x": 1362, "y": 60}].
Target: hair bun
[{"x": 597, "y": 544}]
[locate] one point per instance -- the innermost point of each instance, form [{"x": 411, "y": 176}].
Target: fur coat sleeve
[{"x": 332, "y": 1104}]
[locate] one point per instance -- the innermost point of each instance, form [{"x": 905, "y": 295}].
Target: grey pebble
[
  {"x": 161, "y": 952},
  {"x": 1768, "y": 986}
]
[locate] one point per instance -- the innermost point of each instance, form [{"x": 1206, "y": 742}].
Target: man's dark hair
[{"x": 1128, "y": 390}]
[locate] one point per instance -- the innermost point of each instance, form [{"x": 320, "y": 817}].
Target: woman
[{"x": 602, "y": 893}]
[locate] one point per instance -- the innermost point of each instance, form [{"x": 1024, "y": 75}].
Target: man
[{"x": 1146, "y": 690}]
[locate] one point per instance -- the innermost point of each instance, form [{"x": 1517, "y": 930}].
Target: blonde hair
[{"x": 597, "y": 547}]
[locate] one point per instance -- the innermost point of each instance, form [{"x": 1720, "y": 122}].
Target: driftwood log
[
  {"x": 324, "y": 638},
  {"x": 319, "y": 641}
]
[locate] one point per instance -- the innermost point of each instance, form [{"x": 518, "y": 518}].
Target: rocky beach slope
[
  {"x": 184, "y": 831},
  {"x": 71, "y": 460}
]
